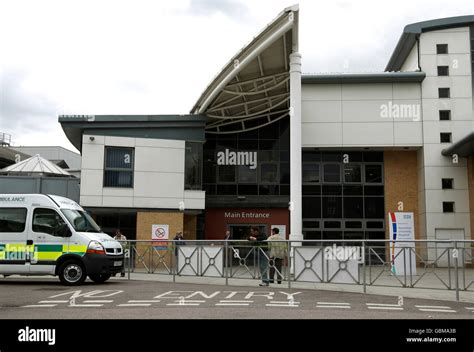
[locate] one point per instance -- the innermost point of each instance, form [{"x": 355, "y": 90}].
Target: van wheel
[
  {"x": 99, "y": 278},
  {"x": 72, "y": 273}
]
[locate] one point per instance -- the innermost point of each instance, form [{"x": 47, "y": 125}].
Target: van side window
[
  {"x": 12, "y": 220},
  {"x": 47, "y": 221}
]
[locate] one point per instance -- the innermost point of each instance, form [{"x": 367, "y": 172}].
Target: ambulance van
[{"x": 51, "y": 235}]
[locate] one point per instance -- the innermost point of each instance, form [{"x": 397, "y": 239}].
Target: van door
[
  {"x": 13, "y": 241},
  {"x": 49, "y": 245}
]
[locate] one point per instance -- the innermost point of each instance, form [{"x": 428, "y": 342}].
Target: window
[
  {"x": 352, "y": 173},
  {"x": 81, "y": 221},
  {"x": 310, "y": 173},
  {"x": 441, "y": 48},
  {"x": 247, "y": 175},
  {"x": 192, "y": 166},
  {"x": 443, "y": 70},
  {"x": 444, "y": 92},
  {"x": 445, "y": 137},
  {"x": 353, "y": 208},
  {"x": 448, "y": 207},
  {"x": 118, "y": 170},
  {"x": 269, "y": 173},
  {"x": 373, "y": 173},
  {"x": 332, "y": 207},
  {"x": 47, "y": 221},
  {"x": 444, "y": 115},
  {"x": 312, "y": 207},
  {"x": 226, "y": 173},
  {"x": 447, "y": 183},
  {"x": 332, "y": 173},
  {"x": 374, "y": 207},
  {"x": 12, "y": 219}
]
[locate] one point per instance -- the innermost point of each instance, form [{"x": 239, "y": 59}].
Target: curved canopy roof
[
  {"x": 36, "y": 165},
  {"x": 253, "y": 88}
]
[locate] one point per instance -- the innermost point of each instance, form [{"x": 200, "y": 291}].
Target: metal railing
[{"x": 432, "y": 264}]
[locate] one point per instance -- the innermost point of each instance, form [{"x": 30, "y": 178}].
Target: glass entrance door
[{"x": 242, "y": 231}]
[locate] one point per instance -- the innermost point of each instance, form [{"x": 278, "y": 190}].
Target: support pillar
[{"x": 295, "y": 206}]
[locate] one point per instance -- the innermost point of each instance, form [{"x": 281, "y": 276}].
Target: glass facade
[
  {"x": 192, "y": 166},
  {"x": 343, "y": 196},
  {"x": 270, "y": 175}
]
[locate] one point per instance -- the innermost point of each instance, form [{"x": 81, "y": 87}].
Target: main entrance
[
  {"x": 242, "y": 231},
  {"x": 239, "y": 221}
]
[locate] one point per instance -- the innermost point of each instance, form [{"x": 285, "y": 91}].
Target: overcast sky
[{"x": 156, "y": 57}]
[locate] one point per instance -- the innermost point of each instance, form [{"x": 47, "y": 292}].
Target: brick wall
[
  {"x": 401, "y": 185},
  {"x": 151, "y": 259}
]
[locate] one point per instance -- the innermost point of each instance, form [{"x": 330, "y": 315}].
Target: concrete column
[{"x": 296, "y": 216}]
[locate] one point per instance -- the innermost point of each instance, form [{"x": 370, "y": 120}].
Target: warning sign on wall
[{"x": 159, "y": 235}]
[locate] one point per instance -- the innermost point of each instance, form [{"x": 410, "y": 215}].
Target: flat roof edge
[
  {"x": 411, "y": 31},
  {"x": 464, "y": 147},
  {"x": 382, "y": 77}
]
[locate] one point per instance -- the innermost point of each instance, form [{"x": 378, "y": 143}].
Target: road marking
[
  {"x": 434, "y": 307},
  {"x": 384, "y": 306},
  {"x": 134, "y": 305},
  {"x": 438, "y": 310},
  {"x": 100, "y": 301},
  {"x": 63, "y": 301},
  {"x": 183, "y": 304},
  {"x": 85, "y": 305},
  {"x": 144, "y": 301},
  {"x": 289, "y": 303},
  {"x": 335, "y": 303},
  {"x": 40, "y": 306},
  {"x": 388, "y": 308},
  {"x": 470, "y": 308},
  {"x": 233, "y": 302}
]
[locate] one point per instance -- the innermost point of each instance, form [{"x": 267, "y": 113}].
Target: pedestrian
[
  {"x": 262, "y": 257},
  {"x": 227, "y": 249},
  {"x": 178, "y": 241},
  {"x": 278, "y": 251},
  {"x": 123, "y": 241}
]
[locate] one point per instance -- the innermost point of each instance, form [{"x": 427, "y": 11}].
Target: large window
[
  {"x": 12, "y": 219},
  {"x": 242, "y": 175},
  {"x": 343, "y": 196},
  {"x": 192, "y": 170},
  {"x": 118, "y": 170}
]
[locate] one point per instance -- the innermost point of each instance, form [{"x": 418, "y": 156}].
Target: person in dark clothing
[
  {"x": 179, "y": 241},
  {"x": 260, "y": 239}
]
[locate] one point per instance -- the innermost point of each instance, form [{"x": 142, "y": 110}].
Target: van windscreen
[{"x": 81, "y": 221}]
